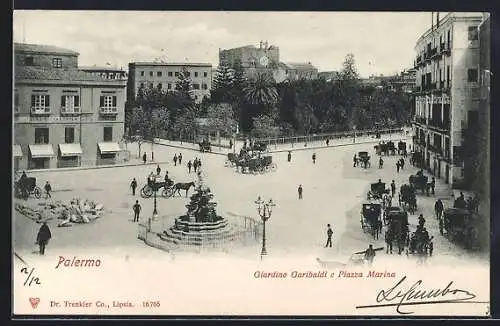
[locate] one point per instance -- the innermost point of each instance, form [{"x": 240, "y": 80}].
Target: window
[
  {"x": 151, "y": 73},
  {"x": 57, "y": 62},
  {"x": 70, "y": 103},
  {"x": 151, "y": 85},
  {"x": 196, "y": 74},
  {"x": 108, "y": 104},
  {"x": 142, "y": 73},
  {"x": 69, "y": 135},
  {"x": 176, "y": 74},
  {"x": 205, "y": 74},
  {"x": 449, "y": 38},
  {"x": 472, "y": 33},
  {"x": 158, "y": 73},
  {"x": 188, "y": 74},
  {"x": 41, "y": 135},
  {"x": 472, "y": 76},
  {"x": 141, "y": 85},
  {"x": 108, "y": 133},
  {"x": 29, "y": 61},
  {"x": 170, "y": 74},
  {"x": 40, "y": 103},
  {"x": 196, "y": 86},
  {"x": 169, "y": 86},
  {"x": 16, "y": 102},
  {"x": 204, "y": 86},
  {"x": 448, "y": 76}
]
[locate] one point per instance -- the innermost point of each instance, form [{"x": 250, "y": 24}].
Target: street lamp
[
  {"x": 354, "y": 139},
  {"x": 265, "y": 210}
]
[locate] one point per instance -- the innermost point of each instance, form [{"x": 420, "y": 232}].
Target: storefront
[
  {"x": 40, "y": 156},
  {"x": 69, "y": 155},
  {"x": 107, "y": 153},
  {"x": 17, "y": 155}
]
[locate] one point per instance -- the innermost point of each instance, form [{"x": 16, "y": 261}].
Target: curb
[
  {"x": 187, "y": 148},
  {"x": 95, "y": 167}
]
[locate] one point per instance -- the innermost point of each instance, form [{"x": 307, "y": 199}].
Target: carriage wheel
[
  {"x": 368, "y": 164},
  {"x": 274, "y": 167},
  {"x": 147, "y": 191},
  {"x": 167, "y": 192},
  {"x": 37, "y": 192},
  {"x": 227, "y": 163}
]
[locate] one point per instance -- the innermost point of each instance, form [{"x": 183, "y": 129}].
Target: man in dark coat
[
  {"x": 438, "y": 208},
  {"x": 175, "y": 159},
  {"x": 137, "y": 210},
  {"x": 329, "y": 233},
  {"x": 289, "y": 156},
  {"x": 133, "y": 185},
  {"x": 180, "y": 158},
  {"x": 48, "y": 189},
  {"x": 144, "y": 157},
  {"x": 393, "y": 188},
  {"x": 314, "y": 158},
  {"x": 380, "y": 163},
  {"x": 370, "y": 255},
  {"x": 354, "y": 161},
  {"x": 43, "y": 237},
  {"x": 189, "y": 165},
  {"x": 23, "y": 186},
  {"x": 300, "y": 191},
  {"x": 158, "y": 169}
]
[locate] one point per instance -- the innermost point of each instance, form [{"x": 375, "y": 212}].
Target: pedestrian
[
  {"x": 230, "y": 144},
  {"x": 421, "y": 220},
  {"x": 133, "y": 185},
  {"x": 393, "y": 188},
  {"x": 137, "y": 210},
  {"x": 175, "y": 159},
  {"x": 195, "y": 164},
  {"x": 402, "y": 164},
  {"x": 199, "y": 163},
  {"x": 328, "y": 142},
  {"x": 43, "y": 237},
  {"x": 369, "y": 255},
  {"x": 144, "y": 158},
  {"x": 441, "y": 226},
  {"x": 300, "y": 191},
  {"x": 380, "y": 163},
  {"x": 433, "y": 185},
  {"x": 48, "y": 189},
  {"x": 431, "y": 248},
  {"x": 158, "y": 169},
  {"x": 189, "y": 164},
  {"x": 22, "y": 184},
  {"x": 314, "y": 158},
  {"x": 289, "y": 156},
  {"x": 354, "y": 161},
  {"x": 397, "y": 166},
  {"x": 329, "y": 233},
  {"x": 180, "y": 158},
  {"x": 438, "y": 208}
]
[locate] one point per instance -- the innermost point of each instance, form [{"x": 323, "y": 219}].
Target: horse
[
  {"x": 182, "y": 186},
  {"x": 397, "y": 236}
]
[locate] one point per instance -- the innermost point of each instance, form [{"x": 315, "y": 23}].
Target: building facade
[
  {"x": 446, "y": 94},
  {"x": 164, "y": 75},
  {"x": 64, "y": 117},
  {"x": 109, "y": 73}
]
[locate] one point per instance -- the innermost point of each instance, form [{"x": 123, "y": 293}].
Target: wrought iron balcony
[
  {"x": 70, "y": 110},
  {"x": 40, "y": 110},
  {"x": 108, "y": 110},
  {"x": 420, "y": 120}
]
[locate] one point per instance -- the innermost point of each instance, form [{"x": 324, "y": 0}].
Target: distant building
[
  {"x": 447, "y": 93},
  {"x": 329, "y": 75},
  {"x": 63, "y": 116},
  {"x": 165, "y": 75},
  {"x": 106, "y": 72},
  {"x": 266, "y": 59},
  {"x": 405, "y": 81}
]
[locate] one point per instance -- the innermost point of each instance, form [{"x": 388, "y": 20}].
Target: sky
[{"x": 382, "y": 42}]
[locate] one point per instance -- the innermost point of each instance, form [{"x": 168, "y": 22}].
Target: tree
[
  {"x": 185, "y": 123},
  {"x": 184, "y": 88},
  {"x": 349, "y": 71},
  {"x": 261, "y": 91},
  {"x": 221, "y": 118},
  {"x": 222, "y": 85},
  {"x": 263, "y": 127}
]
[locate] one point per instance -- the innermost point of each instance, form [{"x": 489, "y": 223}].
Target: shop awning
[
  {"x": 17, "y": 151},
  {"x": 109, "y": 147},
  {"x": 70, "y": 149},
  {"x": 41, "y": 150}
]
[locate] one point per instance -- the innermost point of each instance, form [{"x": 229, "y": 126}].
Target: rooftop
[
  {"x": 101, "y": 68},
  {"x": 178, "y": 64},
  {"x": 42, "y": 48},
  {"x": 38, "y": 73},
  {"x": 300, "y": 65}
]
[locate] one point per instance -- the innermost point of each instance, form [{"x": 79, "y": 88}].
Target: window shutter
[
  {"x": 77, "y": 101},
  {"x": 101, "y": 102},
  {"x": 114, "y": 101},
  {"x": 33, "y": 100},
  {"x": 63, "y": 101},
  {"x": 47, "y": 100}
]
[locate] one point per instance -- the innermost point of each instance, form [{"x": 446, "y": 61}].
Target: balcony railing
[
  {"x": 434, "y": 52},
  {"x": 420, "y": 120},
  {"x": 441, "y": 47},
  {"x": 435, "y": 149},
  {"x": 108, "y": 110},
  {"x": 70, "y": 110},
  {"x": 447, "y": 48},
  {"x": 40, "y": 110},
  {"x": 443, "y": 125}
]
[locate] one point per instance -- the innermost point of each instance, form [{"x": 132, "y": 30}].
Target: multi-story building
[
  {"x": 404, "y": 81},
  {"x": 446, "y": 93},
  {"x": 63, "y": 116},
  {"x": 107, "y": 72},
  {"x": 266, "y": 59},
  {"x": 164, "y": 75},
  {"x": 329, "y": 75}
]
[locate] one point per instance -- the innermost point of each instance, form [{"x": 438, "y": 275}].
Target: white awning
[
  {"x": 109, "y": 147},
  {"x": 41, "y": 150},
  {"x": 17, "y": 151},
  {"x": 70, "y": 150}
]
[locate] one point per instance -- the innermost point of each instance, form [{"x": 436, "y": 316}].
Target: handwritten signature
[{"x": 415, "y": 295}]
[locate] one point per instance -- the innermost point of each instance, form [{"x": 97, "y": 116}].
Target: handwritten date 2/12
[
  {"x": 29, "y": 277},
  {"x": 151, "y": 304}
]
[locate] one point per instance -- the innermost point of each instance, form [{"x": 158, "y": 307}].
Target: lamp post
[
  {"x": 155, "y": 210},
  {"x": 265, "y": 210},
  {"x": 354, "y": 139}
]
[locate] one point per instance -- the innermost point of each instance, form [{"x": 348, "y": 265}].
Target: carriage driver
[{"x": 370, "y": 254}]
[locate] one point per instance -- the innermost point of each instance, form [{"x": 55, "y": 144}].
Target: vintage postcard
[{"x": 251, "y": 163}]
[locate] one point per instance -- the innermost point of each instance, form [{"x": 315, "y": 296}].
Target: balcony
[
  {"x": 447, "y": 49},
  {"x": 434, "y": 53},
  {"x": 108, "y": 110},
  {"x": 435, "y": 149},
  {"x": 420, "y": 120},
  {"x": 442, "y": 47},
  {"x": 438, "y": 124},
  {"x": 427, "y": 57},
  {"x": 70, "y": 110},
  {"x": 40, "y": 111}
]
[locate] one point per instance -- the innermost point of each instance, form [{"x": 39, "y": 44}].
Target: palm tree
[{"x": 261, "y": 91}]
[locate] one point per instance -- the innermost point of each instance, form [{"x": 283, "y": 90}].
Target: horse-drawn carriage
[
  {"x": 385, "y": 148},
  {"x": 156, "y": 184},
  {"x": 205, "y": 146},
  {"x": 420, "y": 243},
  {"x": 419, "y": 181},
  {"x": 371, "y": 218},
  {"x": 29, "y": 186},
  {"x": 408, "y": 198},
  {"x": 465, "y": 227},
  {"x": 256, "y": 164},
  {"x": 397, "y": 230},
  {"x": 377, "y": 191},
  {"x": 401, "y": 147},
  {"x": 364, "y": 159},
  {"x": 258, "y": 147}
]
